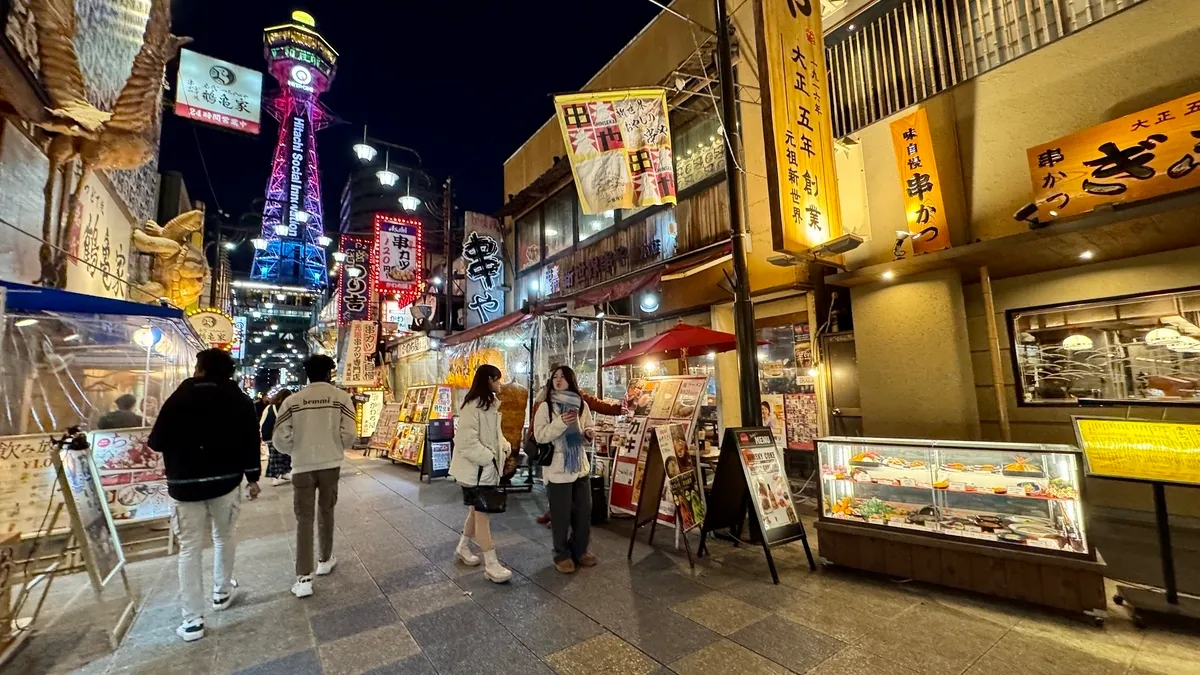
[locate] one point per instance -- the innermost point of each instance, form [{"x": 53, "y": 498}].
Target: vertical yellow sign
[
  {"x": 920, "y": 183},
  {"x": 797, "y": 127}
]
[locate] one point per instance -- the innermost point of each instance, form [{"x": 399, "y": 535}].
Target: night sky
[{"x": 463, "y": 83}]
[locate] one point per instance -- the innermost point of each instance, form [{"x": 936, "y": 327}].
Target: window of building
[
  {"x": 699, "y": 150},
  {"x": 558, "y": 221},
  {"x": 590, "y": 226},
  {"x": 1136, "y": 350},
  {"x": 529, "y": 240}
]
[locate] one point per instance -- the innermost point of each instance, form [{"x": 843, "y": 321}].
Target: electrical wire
[
  {"x": 63, "y": 250},
  {"x": 204, "y": 164}
]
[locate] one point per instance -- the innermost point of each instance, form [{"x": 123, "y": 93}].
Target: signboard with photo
[
  {"x": 238, "y": 349},
  {"x": 218, "y": 92},
  {"x": 682, "y": 474},
  {"x": 79, "y": 480},
  {"x": 400, "y": 257},
  {"x": 133, "y": 476},
  {"x": 653, "y": 402},
  {"x": 385, "y": 429}
]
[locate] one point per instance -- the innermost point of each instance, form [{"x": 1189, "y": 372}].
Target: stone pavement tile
[
  {"x": 454, "y": 623},
  {"x": 932, "y": 639},
  {"x": 410, "y": 577},
  {"x": 719, "y": 612},
  {"x": 668, "y": 587},
  {"x": 724, "y": 656},
  {"x": 300, "y": 663},
  {"x": 1037, "y": 655},
  {"x": 1167, "y": 651},
  {"x": 854, "y": 661},
  {"x": 417, "y": 664},
  {"x": 367, "y": 651},
  {"x": 828, "y": 615},
  {"x": 274, "y": 631},
  {"x": 661, "y": 633},
  {"x": 605, "y": 654},
  {"x": 60, "y": 650},
  {"x": 329, "y": 595},
  {"x": 198, "y": 661},
  {"x": 379, "y": 562},
  {"x": 442, "y": 555},
  {"x": 1114, "y": 642},
  {"x": 351, "y": 620},
  {"x": 410, "y": 603},
  {"x": 794, "y": 646},
  {"x": 495, "y": 653},
  {"x": 763, "y": 594},
  {"x": 480, "y": 586},
  {"x": 542, "y": 622}
]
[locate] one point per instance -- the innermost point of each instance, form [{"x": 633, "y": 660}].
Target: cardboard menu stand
[
  {"x": 384, "y": 434},
  {"x": 750, "y": 481},
  {"x": 134, "y": 476},
  {"x": 671, "y": 465},
  {"x": 1160, "y": 453},
  {"x": 426, "y": 416},
  {"x": 652, "y": 402}
]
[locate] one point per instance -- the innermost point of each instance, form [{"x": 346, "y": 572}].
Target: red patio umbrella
[{"x": 677, "y": 343}]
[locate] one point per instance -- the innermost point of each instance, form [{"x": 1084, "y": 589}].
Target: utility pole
[
  {"x": 448, "y": 282},
  {"x": 743, "y": 308}
]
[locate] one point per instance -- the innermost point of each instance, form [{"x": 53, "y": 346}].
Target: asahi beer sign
[
  {"x": 354, "y": 288},
  {"x": 484, "y": 261},
  {"x": 218, "y": 92}
]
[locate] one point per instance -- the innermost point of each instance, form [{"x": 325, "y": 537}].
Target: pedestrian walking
[
  {"x": 208, "y": 436},
  {"x": 480, "y": 450},
  {"x": 279, "y": 465},
  {"x": 564, "y": 420},
  {"x": 314, "y": 427}
]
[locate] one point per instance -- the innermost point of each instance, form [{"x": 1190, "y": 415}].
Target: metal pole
[
  {"x": 448, "y": 282},
  {"x": 743, "y": 309}
]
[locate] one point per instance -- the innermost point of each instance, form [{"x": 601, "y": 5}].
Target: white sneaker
[
  {"x": 277, "y": 481},
  {"x": 190, "y": 631},
  {"x": 222, "y": 602},
  {"x": 493, "y": 570},
  {"x": 324, "y": 568},
  {"x": 303, "y": 587},
  {"x": 287, "y": 477},
  {"x": 463, "y": 553}
]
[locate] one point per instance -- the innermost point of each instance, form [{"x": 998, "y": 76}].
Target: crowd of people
[{"x": 212, "y": 468}]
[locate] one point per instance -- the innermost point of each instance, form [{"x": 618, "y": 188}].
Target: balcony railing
[{"x": 899, "y": 57}]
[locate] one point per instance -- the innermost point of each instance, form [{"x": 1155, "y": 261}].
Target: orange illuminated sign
[
  {"x": 1146, "y": 154},
  {"x": 920, "y": 183}
]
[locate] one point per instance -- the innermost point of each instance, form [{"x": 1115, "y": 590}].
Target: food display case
[{"x": 914, "y": 507}]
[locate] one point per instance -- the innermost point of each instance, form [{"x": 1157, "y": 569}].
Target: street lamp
[
  {"x": 408, "y": 202},
  {"x": 281, "y": 230},
  {"x": 363, "y": 151},
  {"x": 386, "y": 176},
  {"x": 230, "y": 245},
  {"x": 339, "y": 256},
  {"x": 259, "y": 244},
  {"x": 302, "y": 216},
  {"x": 353, "y": 272},
  {"x": 324, "y": 241}
]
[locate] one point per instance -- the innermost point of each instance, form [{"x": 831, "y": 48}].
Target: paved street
[{"x": 397, "y": 603}]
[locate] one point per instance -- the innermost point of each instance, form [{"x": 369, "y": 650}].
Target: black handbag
[
  {"x": 489, "y": 498},
  {"x": 541, "y": 454}
]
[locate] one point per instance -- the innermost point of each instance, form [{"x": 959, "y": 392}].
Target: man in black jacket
[{"x": 208, "y": 435}]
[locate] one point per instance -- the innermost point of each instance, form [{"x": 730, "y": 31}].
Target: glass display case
[{"x": 1006, "y": 494}]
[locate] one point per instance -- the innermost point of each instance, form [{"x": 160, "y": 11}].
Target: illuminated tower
[{"x": 293, "y": 221}]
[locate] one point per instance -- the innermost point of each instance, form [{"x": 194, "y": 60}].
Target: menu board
[
  {"x": 652, "y": 402},
  {"x": 1140, "y": 450},
  {"x": 681, "y": 470},
  {"x": 440, "y": 453},
  {"x": 443, "y": 404},
  {"x": 134, "y": 477},
  {"x": 101, "y": 545},
  {"x": 26, "y": 483},
  {"x": 768, "y": 485},
  {"x": 371, "y": 409},
  {"x": 385, "y": 428},
  {"x": 410, "y": 444}
]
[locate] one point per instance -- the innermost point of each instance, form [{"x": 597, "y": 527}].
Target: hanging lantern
[
  {"x": 1077, "y": 343},
  {"x": 1162, "y": 337},
  {"x": 364, "y": 151}
]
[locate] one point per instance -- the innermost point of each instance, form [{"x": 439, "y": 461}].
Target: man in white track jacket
[{"x": 315, "y": 425}]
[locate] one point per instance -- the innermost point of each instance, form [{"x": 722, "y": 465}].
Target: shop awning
[
  {"x": 25, "y": 298},
  {"x": 476, "y": 332},
  {"x": 634, "y": 282}
]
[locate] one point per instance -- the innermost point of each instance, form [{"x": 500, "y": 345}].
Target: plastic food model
[{"x": 1021, "y": 495}]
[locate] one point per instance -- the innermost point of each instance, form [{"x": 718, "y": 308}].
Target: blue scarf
[{"x": 573, "y": 438}]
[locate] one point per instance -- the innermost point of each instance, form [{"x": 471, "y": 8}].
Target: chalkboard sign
[{"x": 750, "y": 480}]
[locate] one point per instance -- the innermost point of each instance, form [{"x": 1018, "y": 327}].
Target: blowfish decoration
[
  {"x": 179, "y": 268},
  {"x": 117, "y": 139}
]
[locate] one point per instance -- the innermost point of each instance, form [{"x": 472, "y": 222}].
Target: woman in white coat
[
  {"x": 479, "y": 452},
  {"x": 564, "y": 420}
]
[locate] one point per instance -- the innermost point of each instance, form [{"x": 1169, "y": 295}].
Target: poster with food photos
[
  {"x": 133, "y": 476},
  {"x": 649, "y": 403},
  {"x": 680, "y": 466},
  {"x": 400, "y": 259},
  {"x": 800, "y": 417}
]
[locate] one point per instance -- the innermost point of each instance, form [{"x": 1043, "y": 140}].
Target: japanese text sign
[
  {"x": 218, "y": 92},
  {"x": 238, "y": 348},
  {"x": 619, "y": 144},
  {"x": 354, "y": 289},
  {"x": 398, "y": 243},
  {"x": 358, "y": 366},
  {"x": 214, "y": 327},
  {"x": 484, "y": 263},
  {"x": 1143, "y": 155},
  {"x": 1166, "y": 452},
  {"x": 798, "y": 132},
  {"x": 920, "y": 184}
]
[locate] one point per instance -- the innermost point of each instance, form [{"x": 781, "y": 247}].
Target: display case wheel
[
  {"x": 1138, "y": 621},
  {"x": 1119, "y": 599},
  {"x": 1098, "y": 621}
]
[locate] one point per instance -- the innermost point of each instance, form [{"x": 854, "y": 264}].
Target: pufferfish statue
[{"x": 179, "y": 270}]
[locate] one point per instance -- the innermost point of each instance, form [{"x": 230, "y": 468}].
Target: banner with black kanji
[{"x": 619, "y": 146}]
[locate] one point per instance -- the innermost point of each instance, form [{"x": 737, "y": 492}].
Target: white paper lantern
[
  {"x": 1162, "y": 337},
  {"x": 1076, "y": 343}
]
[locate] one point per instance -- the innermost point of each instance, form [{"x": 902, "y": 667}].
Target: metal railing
[{"x": 920, "y": 48}]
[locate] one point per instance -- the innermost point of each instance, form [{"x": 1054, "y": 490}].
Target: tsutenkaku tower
[{"x": 293, "y": 221}]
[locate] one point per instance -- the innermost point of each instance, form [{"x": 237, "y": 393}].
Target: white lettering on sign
[{"x": 296, "y": 176}]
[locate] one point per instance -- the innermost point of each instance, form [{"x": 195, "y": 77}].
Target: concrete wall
[{"x": 914, "y": 366}]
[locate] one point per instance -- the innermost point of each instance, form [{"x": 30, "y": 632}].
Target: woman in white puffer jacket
[{"x": 479, "y": 452}]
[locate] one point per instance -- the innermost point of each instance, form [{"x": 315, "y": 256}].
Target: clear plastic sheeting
[
  {"x": 585, "y": 353},
  {"x": 60, "y": 370},
  {"x": 618, "y": 337}
]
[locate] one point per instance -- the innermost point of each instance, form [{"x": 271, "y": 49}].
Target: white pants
[{"x": 191, "y": 523}]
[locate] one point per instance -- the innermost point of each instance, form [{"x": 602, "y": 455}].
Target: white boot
[
  {"x": 493, "y": 570},
  {"x": 463, "y": 552}
]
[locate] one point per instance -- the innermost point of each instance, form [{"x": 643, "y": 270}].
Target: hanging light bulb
[
  {"x": 364, "y": 151},
  {"x": 281, "y": 230},
  {"x": 302, "y": 216},
  {"x": 386, "y": 176},
  {"x": 1077, "y": 343},
  {"x": 324, "y": 241},
  {"x": 259, "y": 243},
  {"x": 339, "y": 256},
  {"x": 408, "y": 202},
  {"x": 1162, "y": 337}
]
